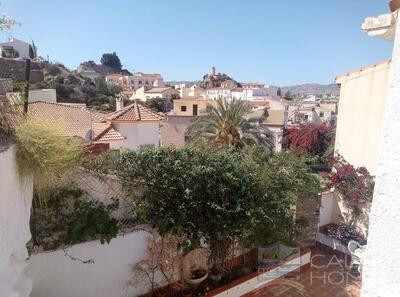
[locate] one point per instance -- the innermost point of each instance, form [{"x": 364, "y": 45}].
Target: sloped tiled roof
[
  {"x": 76, "y": 120},
  {"x": 274, "y": 117},
  {"x": 134, "y": 112},
  {"x": 158, "y": 90}
]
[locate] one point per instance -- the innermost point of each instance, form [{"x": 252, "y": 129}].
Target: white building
[
  {"x": 136, "y": 80},
  {"x": 144, "y": 93},
  {"x": 218, "y": 93},
  {"x": 20, "y": 47},
  {"x": 139, "y": 126}
]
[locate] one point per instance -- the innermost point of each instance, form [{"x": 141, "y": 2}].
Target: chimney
[
  {"x": 119, "y": 102},
  {"x": 213, "y": 71}
]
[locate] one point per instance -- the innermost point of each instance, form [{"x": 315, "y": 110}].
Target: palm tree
[{"x": 229, "y": 124}]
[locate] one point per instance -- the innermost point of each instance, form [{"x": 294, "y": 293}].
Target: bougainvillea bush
[
  {"x": 355, "y": 184},
  {"x": 308, "y": 139}
]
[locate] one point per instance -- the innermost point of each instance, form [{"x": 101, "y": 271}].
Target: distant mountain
[
  {"x": 312, "y": 89},
  {"x": 304, "y": 89}
]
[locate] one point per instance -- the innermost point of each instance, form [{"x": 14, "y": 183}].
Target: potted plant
[
  {"x": 216, "y": 274},
  {"x": 196, "y": 276}
]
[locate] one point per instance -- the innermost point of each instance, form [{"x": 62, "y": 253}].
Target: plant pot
[
  {"x": 196, "y": 281},
  {"x": 215, "y": 275},
  {"x": 394, "y": 5},
  {"x": 186, "y": 293}
]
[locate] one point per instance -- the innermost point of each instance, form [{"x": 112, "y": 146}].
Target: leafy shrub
[
  {"x": 43, "y": 148},
  {"x": 92, "y": 219},
  {"x": 355, "y": 184},
  {"x": 67, "y": 217},
  {"x": 311, "y": 140},
  {"x": 215, "y": 194}
]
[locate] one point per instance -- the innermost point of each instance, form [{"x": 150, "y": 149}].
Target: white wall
[
  {"x": 137, "y": 134},
  {"x": 48, "y": 95},
  {"x": 326, "y": 209},
  {"x": 20, "y": 46},
  {"x": 360, "y": 116},
  {"x": 381, "y": 273},
  {"x": 57, "y": 275},
  {"x": 15, "y": 207},
  {"x": 277, "y": 132}
]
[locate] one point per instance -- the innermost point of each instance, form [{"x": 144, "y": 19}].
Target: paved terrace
[{"x": 327, "y": 277}]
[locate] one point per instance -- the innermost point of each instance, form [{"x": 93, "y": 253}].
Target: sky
[{"x": 280, "y": 42}]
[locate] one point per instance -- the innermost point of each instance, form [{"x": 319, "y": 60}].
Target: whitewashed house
[
  {"x": 22, "y": 48},
  {"x": 139, "y": 125}
]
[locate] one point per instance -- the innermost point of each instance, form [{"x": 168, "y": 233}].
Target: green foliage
[
  {"x": 67, "y": 217},
  {"x": 216, "y": 194},
  {"x": 288, "y": 96},
  {"x": 113, "y": 90},
  {"x": 19, "y": 86},
  {"x": 279, "y": 92},
  {"x": 111, "y": 60},
  {"x": 227, "y": 124},
  {"x": 101, "y": 85},
  {"x": 198, "y": 193},
  {"x": 103, "y": 163},
  {"x": 285, "y": 178},
  {"x": 43, "y": 149},
  {"x": 91, "y": 219},
  {"x": 157, "y": 104}
]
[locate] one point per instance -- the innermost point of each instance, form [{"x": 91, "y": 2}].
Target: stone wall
[{"x": 15, "y": 69}]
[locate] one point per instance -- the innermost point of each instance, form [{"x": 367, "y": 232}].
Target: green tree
[
  {"x": 279, "y": 92},
  {"x": 288, "y": 96},
  {"x": 111, "y": 60},
  {"x": 228, "y": 124},
  {"x": 158, "y": 104},
  {"x": 216, "y": 195},
  {"x": 285, "y": 178},
  {"x": 199, "y": 193},
  {"x": 101, "y": 86}
]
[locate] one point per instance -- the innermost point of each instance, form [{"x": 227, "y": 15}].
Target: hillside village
[
  {"x": 121, "y": 183},
  {"x": 106, "y": 88}
]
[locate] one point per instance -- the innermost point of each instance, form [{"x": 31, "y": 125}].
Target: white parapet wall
[
  {"x": 63, "y": 273},
  {"x": 15, "y": 208},
  {"x": 381, "y": 271}
]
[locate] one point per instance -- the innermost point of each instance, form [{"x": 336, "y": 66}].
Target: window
[
  {"x": 306, "y": 117},
  {"x": 208, "y": 108},
  {"x": 321, "y": 114},
  {"x": 195, "y": 110},
  {"x": 147, "y": 82},
  {"x": 139, "y": 82},
  {"x": 183, "y": 108}
]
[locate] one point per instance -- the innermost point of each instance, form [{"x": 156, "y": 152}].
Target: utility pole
[{"x": 27, "y": 78}]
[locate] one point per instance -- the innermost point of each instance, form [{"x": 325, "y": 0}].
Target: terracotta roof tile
[
  {"x": 158, "y": 90},
  {"x": 77, "y": 120},
  {"x": 134, "y": 112}
]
